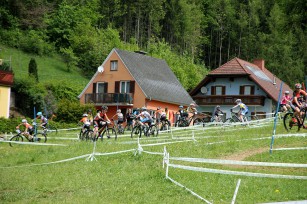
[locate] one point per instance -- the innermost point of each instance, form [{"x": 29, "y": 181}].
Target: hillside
[{"x": 50, "y": 69}]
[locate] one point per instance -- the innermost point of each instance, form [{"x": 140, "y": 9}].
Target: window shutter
[
  {"x": 223, "y": 90},
  {"x": 116, "y": 87},
  {"x": 94, "y": 87},
  {"x": 241, "y": 90},
  {"x": 132, "y": 84},
  {"x": 105, "y": 87},
  {"x": 252, "y": 90},
  {"x": 212, "y": 90}
]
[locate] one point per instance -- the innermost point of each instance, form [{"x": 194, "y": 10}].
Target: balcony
[
  {"x": 109, "y": 98},
  {"x": 229, "y": 100}
]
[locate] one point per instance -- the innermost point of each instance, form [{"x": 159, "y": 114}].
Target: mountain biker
[
  {"x": 285, "y": 102},
  {"x": 85, "y": 122},
  {"x": 192, "y": 111},
  {"x": 217, "y": 113},
  {"x": 298, "y": 100},
  {"x": 101, "y": 119},
  {"x": 43, "y": 119},
  {"x": 29, "y": 130},
  {"x": 182, "y": 112},
  {"x": 146, "y": 117},
  {"x": 120, "y": 117},
  {"x": 242, "y": 111},
  {"x": 129, "y": 117}
]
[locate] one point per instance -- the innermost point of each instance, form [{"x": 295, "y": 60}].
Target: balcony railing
[
  {"x": 109, "y": 98},
  {"x": 229, "y": 100}
]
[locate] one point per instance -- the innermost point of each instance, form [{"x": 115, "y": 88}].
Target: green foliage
[
  {"x": 33, "y": 69},
  {"x": 5, "y": 66},
  {"x": 69, "y": 58},
  {"x": 9, "y": 125},
  {"x": 71, "y": 111}
]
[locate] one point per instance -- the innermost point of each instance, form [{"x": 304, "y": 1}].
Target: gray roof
[{"x": 155, "y": 78}]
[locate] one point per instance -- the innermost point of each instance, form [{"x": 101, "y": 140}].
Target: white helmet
[
  {"x": 84, "y": 115},
  {"x": 24, "y": 120},
  {"x": 119, "y": 110},
  {"x": 238, "y": 100},
  {"x": 287, "y": 92}
]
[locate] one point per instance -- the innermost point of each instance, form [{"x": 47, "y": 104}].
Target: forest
[{"x": 193, "y": 36}]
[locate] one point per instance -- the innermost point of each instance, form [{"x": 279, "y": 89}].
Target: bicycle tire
[
  {"x": 82, "y": 135},
  {"x": 136, "y": 131},
  {"x": 16, "y": 138},
  {"x": 153, "y": 130},
  {"x": 198, "y": 121},
  {"x": 289, "y": 123},
  {"x": 89, "y": 135},
  {"x": 229, "y": 120},
  {"x": 165, "y": 126},
  {"x": 110, "y": 133},
  {"x": 41, "y": 137}
]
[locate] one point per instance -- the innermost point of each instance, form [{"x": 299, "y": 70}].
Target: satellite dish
[
  {"x": 203, "y": 90},
  {"x": 100, "y": 69}
]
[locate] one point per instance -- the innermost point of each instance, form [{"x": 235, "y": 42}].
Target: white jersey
[{"x": 145, "y": 114}]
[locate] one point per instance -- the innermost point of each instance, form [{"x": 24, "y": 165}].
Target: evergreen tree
[{"x": 33, "y": 69}]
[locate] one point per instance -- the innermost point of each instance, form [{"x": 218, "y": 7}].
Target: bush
[{"x": 9, "y": 125}]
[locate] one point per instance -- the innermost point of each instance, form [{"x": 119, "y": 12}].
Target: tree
[{"x": 33, "y": 69}]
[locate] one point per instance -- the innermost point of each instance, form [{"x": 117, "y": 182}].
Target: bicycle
[
  {"x": 293, "y": 123},
  {"x": 139, "y": 127},
  {"x": 235, "y": 118},
  {"x": 200, "y": 118},
  {"x": 37, "y": 137},
  {"x": 110, "y": 132},
  {"x": 165, "y": 125},
  {"x": 119, "y": 127},
  {"x": 87, "y": 133}
]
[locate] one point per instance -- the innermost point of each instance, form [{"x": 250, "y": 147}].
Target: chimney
[{"x": 259, "y": 63}]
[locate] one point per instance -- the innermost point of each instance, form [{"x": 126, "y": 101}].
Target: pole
[{"x": 276, "y": 115}]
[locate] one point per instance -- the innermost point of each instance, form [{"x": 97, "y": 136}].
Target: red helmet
[{"x": 298, "y": 86}]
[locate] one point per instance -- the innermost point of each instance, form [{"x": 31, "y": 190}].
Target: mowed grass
[
  {"x": 130, "y": 178},
  {"x": 50, "y": 69}
]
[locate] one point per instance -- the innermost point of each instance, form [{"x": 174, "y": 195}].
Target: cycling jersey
[{"x": 298, "y": 94}]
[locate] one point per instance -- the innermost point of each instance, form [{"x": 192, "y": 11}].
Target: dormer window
[{"x": 114, "y": 65}]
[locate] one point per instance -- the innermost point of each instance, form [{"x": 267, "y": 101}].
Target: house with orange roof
[
  {"x": 255, "y": 85},
  {"x": 130, "y": 80},
  {"x": 6, "y": 82}
]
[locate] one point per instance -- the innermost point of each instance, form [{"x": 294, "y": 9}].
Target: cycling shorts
[
  {"x": 244, "y": 111},
  {"x": 146, "y": 120}
]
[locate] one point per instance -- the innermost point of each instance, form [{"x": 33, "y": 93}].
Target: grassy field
[
  {"x": 27, "y": 176},
  {"x": 50, "y": 69}
]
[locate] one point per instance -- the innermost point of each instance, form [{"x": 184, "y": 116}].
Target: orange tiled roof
[{"x": 6, "y": 78}]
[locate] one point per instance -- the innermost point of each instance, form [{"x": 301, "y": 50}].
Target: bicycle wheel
[
  {"x": 121, "y": 129},
  {"x": 198, "y": 121},
  {"x": 153, "y": 130},
  {"x": 136, "y": 132},
  {"x": 165, "y": 126},
  {"x": 110, "y": 133},
  {"x": 291, "y": 123},
  {"x": 40, "y": 137},
  {"x": 82, "y": 135},
  {"x": 52, "y": 128},
  {"x": 229, "y": 120},
  {"x": 89, "y": 135},
  {"x": 16, "y": 138}
]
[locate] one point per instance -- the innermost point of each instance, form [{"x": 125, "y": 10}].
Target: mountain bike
[
  {"x": 36, "y": 137},
  {"x": 87, "y": 133},
  {"x": 119, "y": 127},
  {"x": 140, "y": 128},
  {"x": 235, "y": 117},
  {"x": 107, "y": 131},
  {"x": 165, "y": 125},
  {"x": 200, "y": 118},
  {"x": 293, "y": 123}
]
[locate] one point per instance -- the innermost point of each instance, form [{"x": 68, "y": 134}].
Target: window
[
  {"x": 114, "y": 65},
  {"x": 125, "y": 87},
  {"x": 218, "y": 90},
  {"x": 101, "y": 87},
  {"x": 247, "y": 90}
]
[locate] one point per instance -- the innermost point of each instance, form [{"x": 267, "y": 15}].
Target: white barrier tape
[
  {"x": 157, "y": 144},
  {"x": 291, "y": 148},
  {"x": 182, "y": 186},
  {"x": 33, "y": 143},
  {"x": 110, "y": 153},
  {"x": 293, "y": 135},
  {"x": 154, "y": 153},
  {"x": 63, "y": 138},
  {"x": 56, "y": 162},
  {"x": 236, "y": 192},
  {"x": 241, "y": 173},
  {"x": 235, "y": 162},
  {"x": 67, "y": 129}
]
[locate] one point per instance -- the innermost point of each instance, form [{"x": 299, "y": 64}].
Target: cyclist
[
  {"x": 120, "y": 117},
  {"x": 182, "y": 112},
  {"x": 129, "y": 117},
  {"x": 285, "y": 102},
  {"x": 85, "y": 122},
  {"x": 242, "y": 111},
  {"x": 43, "y": 119},
  {"x": 29, "y": 130},
  {"x": 298, "y": 100},
  {"x": 146, "y": 117},
  {"x": 101, "y": 119},
  {"x": 217, "y": 113},
  {"x": 192, "y": 111}
]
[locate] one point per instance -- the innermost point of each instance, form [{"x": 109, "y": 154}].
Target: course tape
[
  {"x": 56, "y": 162},
  {"x": 110, "y": 153},
  {"x": 240, "y": 173},
  {"x": 291, "y": 148},
  {"x": 179, "y": 184},
  {"x": 154, "y": 153},
  {"x": 157, "y": 144},
  {"x": 33, "y": 143},
  {"x": 234, "y": 162}
]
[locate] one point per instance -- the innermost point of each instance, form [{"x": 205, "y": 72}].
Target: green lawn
[{"x": 129, "y": 178}]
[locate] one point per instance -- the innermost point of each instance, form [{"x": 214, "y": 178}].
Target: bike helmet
[
  {"x": 118, "y": 111},
  {"x": 180, "y": 106},
  {"x": 238, "y": 100},
  {"x": 104, "y": 107},
  {"x": 298, "y": 86},
  {"x": 24, "y": 121},
  {"x": 39, "y": 114},
  {"x": 192, "y": 104},
  {"x": 158, "y": 108},
  {"x": 144, "y": 108},
  {"x": 84, "y": 115},
  {"x": 218, "y": 106},
  {"x": 287, "y": 92}
]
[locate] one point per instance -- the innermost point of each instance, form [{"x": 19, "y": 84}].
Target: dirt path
[{"x": 242, "y": 155}]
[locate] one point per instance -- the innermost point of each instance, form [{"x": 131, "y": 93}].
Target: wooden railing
[
  {"x": 109, "y": 98},
  {"x": 229, "y": 100}
]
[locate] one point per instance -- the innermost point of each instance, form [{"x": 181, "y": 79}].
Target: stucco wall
[{"x": 5, "y": 101}]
